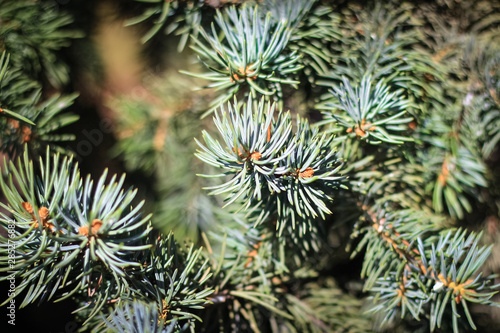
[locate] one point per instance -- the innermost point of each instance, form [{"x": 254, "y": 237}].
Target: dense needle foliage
[{"x": 292, "y": 166}]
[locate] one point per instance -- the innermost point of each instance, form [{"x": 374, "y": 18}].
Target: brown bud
[
  {"x": 43, "y": 212},
  {"x": 307, "y": 173},
  {"x": 27, "y": 206}
]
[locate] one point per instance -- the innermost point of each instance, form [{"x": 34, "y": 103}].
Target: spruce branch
[
  {"x": 421, "y": 269},
  {"x": 70, "y": 236},
  {"x": 38, "y": 125},
  {"x": 453, "y": 170},
  {"x": 253, "y": 145},
  {"x": 286, "y": 174},
  {"x": 176, "y": 279},
  {"x": 389, "y": 240},
  {"x": 247, "y": 276},
  {"x": 33, "y": 32},
  {"x": 252, "y": 54},
  {"x": 384, "y": 42},
  {"x": 31, "y": 120},
  {"x": 170, "y": 291},
  {"x": 371, "y": 114},
  {"x": 313, "y": 177}
]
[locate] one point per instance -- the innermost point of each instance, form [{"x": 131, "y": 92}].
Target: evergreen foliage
[
  {"x": 340, "y": 136},
  {"x": 30, "y": 34},
  {"x": 253, "y": 54}
]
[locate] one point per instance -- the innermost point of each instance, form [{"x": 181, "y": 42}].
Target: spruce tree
[{"x": 283, "y": 166}]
